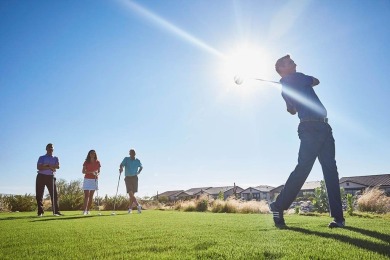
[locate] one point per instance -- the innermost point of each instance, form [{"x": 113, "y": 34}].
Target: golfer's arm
[
  {"x": 290, "y": 108},
  {"x": 140, "y": 169},
  {"x": 315, "y": 82},
  {"x": 42, "y": 167}
]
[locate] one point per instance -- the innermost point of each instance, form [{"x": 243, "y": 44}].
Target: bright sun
[{"x": 246, "y": 62}]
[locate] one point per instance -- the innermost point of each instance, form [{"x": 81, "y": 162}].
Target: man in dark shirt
[{"x": 316, "y": 142}]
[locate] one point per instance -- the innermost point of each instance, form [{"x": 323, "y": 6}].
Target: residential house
[
  {"x": 275, "y": 192},
  {"x": 226, "y": 191},
  {"x": 360, "y": 183},
  {"x": 261, "y": 192},
  {"x": 191, "y": 193},
  {"x": 308, "y": 188},
  {"x": 171, "y": 195}
]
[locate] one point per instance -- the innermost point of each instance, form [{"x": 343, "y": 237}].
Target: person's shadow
[{"x": 358, "y": 242}]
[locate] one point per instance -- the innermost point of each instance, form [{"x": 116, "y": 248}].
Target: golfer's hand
[
  {"x": 292, "y": 111},
  {"x": 315, "y": 82}
]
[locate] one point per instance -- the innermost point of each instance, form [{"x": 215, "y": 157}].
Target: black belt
[{"x": 324, "y": 120}]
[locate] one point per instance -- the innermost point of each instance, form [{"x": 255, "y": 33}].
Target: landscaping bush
[
  {"x": 350, "y": 204},
  {"x": 153, "y": 204},
  {"x": 218, "y": 206},
  {"x": 188, "y": 205},
  {"x": 122, "y": 203},
  {"x": 374, "y": 200},
  {"x": 70, "y": 195},
  {"x": 25, "y": 202},
  {"x": 201, "y": 204},
  {"x": 320, "y": 201},
  {"x": 163, "y": 199},
  {"x": 3, "y": 203}
]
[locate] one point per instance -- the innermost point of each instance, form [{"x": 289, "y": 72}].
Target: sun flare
[{"x": 244, "y": 63}]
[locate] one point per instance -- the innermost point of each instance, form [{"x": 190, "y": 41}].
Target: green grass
[{"x": 189, "y": 235}]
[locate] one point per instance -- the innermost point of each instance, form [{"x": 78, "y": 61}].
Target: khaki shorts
[{"x": 131, "y": 183}]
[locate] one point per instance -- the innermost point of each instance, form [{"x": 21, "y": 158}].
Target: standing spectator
[
  {"x": 91, "y": 170},
  {"x": 47, "y": 166},
  {"x": 133, "y": 167}
]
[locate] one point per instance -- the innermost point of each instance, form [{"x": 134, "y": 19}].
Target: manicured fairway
[{"x": 184, "y": 235}]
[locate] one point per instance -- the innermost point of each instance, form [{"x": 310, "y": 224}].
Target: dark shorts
[{"x": 131, "y": 183}]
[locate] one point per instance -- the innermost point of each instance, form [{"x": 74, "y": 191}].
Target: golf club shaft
[
  {"x": 53, "y": 202},
  {"x": 270, "y": 81},
  {"x": 97, "y": 192},
  {"x": 117, "y": 186}
]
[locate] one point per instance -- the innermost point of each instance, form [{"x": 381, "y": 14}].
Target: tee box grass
[{"x": 157, "y": 234}]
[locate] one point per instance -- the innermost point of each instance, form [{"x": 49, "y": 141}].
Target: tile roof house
[
  {"x": 171, "y": 195},
  {"x": 359, "y": 183},
  {"x": 261, "y": 192},
  {"x": 191, "y": 193},
  {"x": 227, "y": 191},
  {"x": 308, "y": 188}
]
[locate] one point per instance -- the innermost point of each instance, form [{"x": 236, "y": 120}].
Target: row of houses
[{"x": 351, "y": 185}]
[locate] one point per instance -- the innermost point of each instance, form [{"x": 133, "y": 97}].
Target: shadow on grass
[
  {"x": 18, "y": 218},
  {"x": 364, "y": 244},
  {"x": 384, "y": 237},
  {"x": 62, "y": 218}
]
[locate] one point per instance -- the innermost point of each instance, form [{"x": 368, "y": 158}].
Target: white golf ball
[{"x": 239, "y": 80}]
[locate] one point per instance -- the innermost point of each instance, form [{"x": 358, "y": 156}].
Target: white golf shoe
[{"x": 139, "y": 208}]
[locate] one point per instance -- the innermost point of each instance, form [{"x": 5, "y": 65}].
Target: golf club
[
  {"x": 53, "y": 200},
  {"x": 113, "y": 213},
  {"x": 97, "y": 193},
  {"x": 239, "y": 80}
]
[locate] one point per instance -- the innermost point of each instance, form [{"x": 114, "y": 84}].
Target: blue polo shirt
[
  {"x": 131, "y": 166},
  {"x": 47, "y": 159},
  {"x": 298, "y": 92}
]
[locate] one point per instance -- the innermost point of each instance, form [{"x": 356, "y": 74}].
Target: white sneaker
[
  {"x": 85, "y": 213},
  {"x": 139, "y": 208},
  {"x": 129, "y": 211}
]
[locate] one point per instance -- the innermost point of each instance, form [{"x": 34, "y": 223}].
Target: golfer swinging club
[
  {"x": 133, "y": 167},
  {"x": 316, "y": 142}
]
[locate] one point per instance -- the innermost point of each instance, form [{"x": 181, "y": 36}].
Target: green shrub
[
  {"x": 221, "y": 196},
  {"x": 320, "y": 202},
  {"x": 122, "y": 203},
  {"x": 25, "y": 202},
  {"x": 163, "y": 199},
  {"x": 70, "y": 195},
  {"x": 3, "y": 203},
  {"x": 350, "y": 204},
  {"x": 201, "y": 205}
]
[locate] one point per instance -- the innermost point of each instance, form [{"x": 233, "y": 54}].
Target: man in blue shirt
[
  {"x": 133, "y": 167},
  {"x": 316, "y": 142},
  {"x": 47, "y": 165}
]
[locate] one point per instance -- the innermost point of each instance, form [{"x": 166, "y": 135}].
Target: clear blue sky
[{"x": 155, "y": 76}]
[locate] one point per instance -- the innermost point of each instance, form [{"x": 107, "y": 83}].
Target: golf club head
[{"x": 100, "y": 214}]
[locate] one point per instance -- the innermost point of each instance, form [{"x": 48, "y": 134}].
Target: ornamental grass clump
[{"x": 374, "y": 200}]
